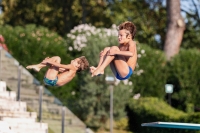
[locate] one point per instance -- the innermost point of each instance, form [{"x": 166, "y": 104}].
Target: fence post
[
  {"x": 19, "y": 83},
  {"x": 40, "y": 102},
  {"x": 63, "y": 119},
  {"x": 0, "y": 63},
  {"x": 111, "y": 109}
]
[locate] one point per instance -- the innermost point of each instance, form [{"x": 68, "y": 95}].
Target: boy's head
[
  {"x": 84, "y": 64},
  {"x": 129, "y": 27}
]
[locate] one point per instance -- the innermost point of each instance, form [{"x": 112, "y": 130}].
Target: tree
[
  {"x": 175, "y": 29},
  {"x": 191, "y": 9},
  {"x": 63, "y": 15},
  {"x": 146, "y": 15},
  {"x": 60, "y": 16}
]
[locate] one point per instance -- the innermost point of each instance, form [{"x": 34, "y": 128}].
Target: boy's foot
[
  {"x": 92, "y": 69},
  {"x": 97, "y": 73},
  {"x": 34, "y": 67}
]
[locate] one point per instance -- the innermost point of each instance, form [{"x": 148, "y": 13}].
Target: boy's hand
[
  {"x": 45, "y": 60},
  {"x": 101, "y": 53},
  {"x": 111, "y": 52}
]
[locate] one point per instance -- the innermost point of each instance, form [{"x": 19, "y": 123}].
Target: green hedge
[
  {"x": 151, "y": 109},
  {"x": 185, "y": 76},
  {"x": 153, "y": 72}
]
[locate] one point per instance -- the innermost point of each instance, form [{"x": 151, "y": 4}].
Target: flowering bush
[{"x": 81, "y": 33}]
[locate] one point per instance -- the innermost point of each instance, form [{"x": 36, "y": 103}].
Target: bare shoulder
[{"x": 132, "y": 44}]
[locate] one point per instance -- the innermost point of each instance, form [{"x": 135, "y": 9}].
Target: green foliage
[
  {"x": 122, "y": 124},
  {"x": 41, "y": 12},
  {"x": 62, "y": 16},
  {"x": 149, "y": 16},
  {"x": 151, "y": 109},
  {"x": 185, "y": 76},
  {"x": 150, "y": 75},
  {"x": 191, "y": 37},
  {"x": 31, "y": 44},
  {"x": 149, "y": 21},
  {"x": 191, "y": 118},
  {"x": 191, "y": 34}
]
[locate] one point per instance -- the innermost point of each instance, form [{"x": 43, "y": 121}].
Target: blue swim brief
[
  {"x": 50, "y": 82},
  {"x": 129, "y": 74}
]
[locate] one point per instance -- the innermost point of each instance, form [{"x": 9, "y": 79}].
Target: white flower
[
  {"x": 138, "y": 73},
  {"x": 142, "y": 51},
  {"x": 141, "y": 71},
  {"x": 137, "y": 65},
  {"x": 136, "y": 96},
  {"x": 70, "y": 48},
  {"x": 114, "y": 26},
  {"x": 88, "y": 33},
  {"x": 130, "y": 83},
  {"x": 73, "y": 92},
  {"x": 125, "y": 81},
  {"x": 85, "y": 30}
]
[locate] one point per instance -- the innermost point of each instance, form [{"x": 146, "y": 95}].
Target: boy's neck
[{"x": 126, "y": 43}]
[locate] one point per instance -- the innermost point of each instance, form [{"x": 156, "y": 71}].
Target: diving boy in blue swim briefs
[
  {"x": 60, "y": 74},
  {"x": 122, "y": 58}
]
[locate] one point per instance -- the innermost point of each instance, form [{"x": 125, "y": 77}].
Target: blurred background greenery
[{"x": 72, "y": 28}]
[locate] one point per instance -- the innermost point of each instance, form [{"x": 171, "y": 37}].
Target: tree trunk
[{"x": 175, "y": 29}]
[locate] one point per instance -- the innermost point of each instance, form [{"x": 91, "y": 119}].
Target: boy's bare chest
[{"x": 124, "y": 48}]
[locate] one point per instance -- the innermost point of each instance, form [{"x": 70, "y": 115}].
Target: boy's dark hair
[
  {"x": 84, "y": 64},
  {"x": 129, "y": 26}
]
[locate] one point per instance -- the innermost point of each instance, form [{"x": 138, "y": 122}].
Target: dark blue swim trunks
[
  {"x": 129, "y": 74},
  {"x": 50, "y": 82}
]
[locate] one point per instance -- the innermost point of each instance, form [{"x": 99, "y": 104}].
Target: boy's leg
[
  {"x": 53, "y": 71},
  {"x": 39, "y": 66},
  {"x": 118, "y": 64},
  {"x": 112, "y": 67},
  {"x": 103, "y": 55},
  {"x": 102, "y": 58}
]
